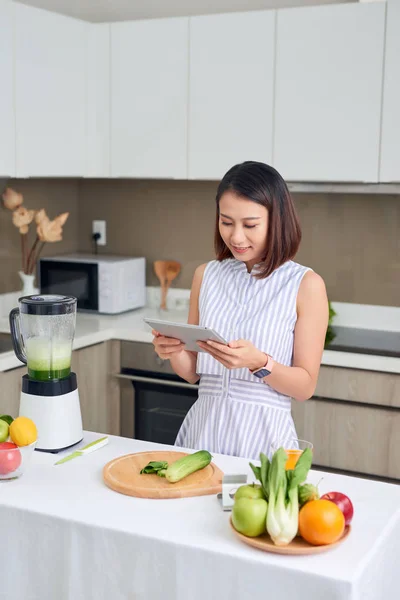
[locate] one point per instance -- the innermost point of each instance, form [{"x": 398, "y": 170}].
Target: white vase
[{"x": 28, "y": 284}]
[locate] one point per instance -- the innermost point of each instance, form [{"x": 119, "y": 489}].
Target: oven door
[
  {"x": 161, "y": 402},
  {"x": 77, "y": 279}
]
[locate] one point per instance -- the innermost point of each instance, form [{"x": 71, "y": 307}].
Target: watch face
[{"x": 262, "y": 373}]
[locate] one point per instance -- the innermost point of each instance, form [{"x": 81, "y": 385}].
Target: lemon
[{"x": 23, "y": 431}]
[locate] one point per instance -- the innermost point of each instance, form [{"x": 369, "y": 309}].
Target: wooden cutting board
[{"x": 123, "y": 475}]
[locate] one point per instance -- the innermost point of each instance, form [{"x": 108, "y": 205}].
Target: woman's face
[{"x": 243, "y": 225}]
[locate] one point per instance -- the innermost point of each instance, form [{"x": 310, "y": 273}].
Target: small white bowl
[{"x": 14, "y": 461}]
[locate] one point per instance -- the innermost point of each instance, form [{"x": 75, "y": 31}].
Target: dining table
[{"x": 66, "y": 535}]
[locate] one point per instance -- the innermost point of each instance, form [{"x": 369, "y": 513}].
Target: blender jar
[{"x": 43, "y": 329}]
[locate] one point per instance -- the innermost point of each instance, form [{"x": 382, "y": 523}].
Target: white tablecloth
[{"x": 66, "y": 536}]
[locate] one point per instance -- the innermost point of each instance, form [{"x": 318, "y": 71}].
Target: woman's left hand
[{"x": 236, "y": 355}]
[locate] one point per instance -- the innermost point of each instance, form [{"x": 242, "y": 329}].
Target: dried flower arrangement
[{"x": 46, "y": 230}]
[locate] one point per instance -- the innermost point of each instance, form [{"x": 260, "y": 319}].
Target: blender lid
[{"x": 47, "y": 304}]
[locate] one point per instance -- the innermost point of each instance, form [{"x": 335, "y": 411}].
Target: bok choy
[{"x": 283, "y": 501}]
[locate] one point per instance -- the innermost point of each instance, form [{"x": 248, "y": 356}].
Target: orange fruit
[
  {"x": 321, "y": 522},
  {"x": 23, "y": 431}
]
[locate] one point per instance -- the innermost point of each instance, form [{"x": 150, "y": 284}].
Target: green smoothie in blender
[{"x": 48, "y": 358}]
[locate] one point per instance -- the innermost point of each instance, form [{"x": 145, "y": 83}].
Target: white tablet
[{"x": 188, "y": 334}]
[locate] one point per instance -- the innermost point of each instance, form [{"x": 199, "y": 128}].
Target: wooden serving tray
[
  {"x": 123, "y": 475},
  {"x": 297, "y": 546}
]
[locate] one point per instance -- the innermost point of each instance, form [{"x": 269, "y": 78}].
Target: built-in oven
[{"x": 154, "y": 400}]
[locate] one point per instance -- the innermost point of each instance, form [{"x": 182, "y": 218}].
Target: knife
[{"x": 85, "y": 450}]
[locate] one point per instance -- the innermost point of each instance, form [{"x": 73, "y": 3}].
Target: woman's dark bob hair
[{"x": 262, "y": 184}]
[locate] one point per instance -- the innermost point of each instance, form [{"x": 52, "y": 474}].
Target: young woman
[{"x": 274, "y": 312}]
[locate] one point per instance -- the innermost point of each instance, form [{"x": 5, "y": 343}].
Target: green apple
[
  {"x": 249, "y": 491},
  {"x": 3, "y": 431},
  {"x": 249, "y": 516}
]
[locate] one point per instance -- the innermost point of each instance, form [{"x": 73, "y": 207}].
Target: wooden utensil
[
  {"x": 166, "y": 271},
  {"x": 160, "y": 269},
  {"x": 123, "y": 475},
  {"x": 296, "y": 546},
  {"x": 173, "y": 270}
]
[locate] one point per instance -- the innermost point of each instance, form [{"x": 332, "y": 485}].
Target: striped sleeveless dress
[{"x": 236, "y": 413}]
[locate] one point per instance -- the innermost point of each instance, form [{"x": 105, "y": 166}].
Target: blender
[{"x": 42, "y": 331}]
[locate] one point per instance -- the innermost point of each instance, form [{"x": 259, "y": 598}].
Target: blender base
[
  {"x": 58, "y": 449},
  {"x": 57, "y": 417}
]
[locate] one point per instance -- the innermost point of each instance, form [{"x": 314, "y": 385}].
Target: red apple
[
  {"x": 10, "y": 458},
  {"x": 343, "y": 502}
]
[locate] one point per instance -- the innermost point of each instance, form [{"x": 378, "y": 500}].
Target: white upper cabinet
[
  {"x": 390, "y": 150},
  {"x": 7, "y": 116},
  {"x": 50, "y": 93},
  {"x": 328, "y": 92},
  {"x": 98, "y": 101},
  {"x": 231, "y": 91},
  {"x": 149, "y": 95}
]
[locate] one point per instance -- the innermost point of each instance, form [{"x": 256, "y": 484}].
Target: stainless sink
[{"x": 5, "y": 342}]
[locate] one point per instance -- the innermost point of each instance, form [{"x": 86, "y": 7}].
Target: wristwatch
[{"x": 265, "y": 370}]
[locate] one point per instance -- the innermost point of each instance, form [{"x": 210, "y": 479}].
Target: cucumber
[{"x": 187, "y": 464}]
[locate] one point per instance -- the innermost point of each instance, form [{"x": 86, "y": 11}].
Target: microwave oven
[{"x": 101, "y": 283}]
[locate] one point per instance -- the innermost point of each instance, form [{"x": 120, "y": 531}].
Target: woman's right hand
[{"x": 166, "y": 347}]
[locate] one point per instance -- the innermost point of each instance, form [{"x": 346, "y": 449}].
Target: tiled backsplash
[
  {"x": 352, "y": 240},
  {"x": 167, "y": 220}
]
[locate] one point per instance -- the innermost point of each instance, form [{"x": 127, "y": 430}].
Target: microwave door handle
[{"x": 179, "y": 384}]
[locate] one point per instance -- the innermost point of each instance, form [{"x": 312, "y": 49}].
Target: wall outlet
[{"x": 100, "y": 227}]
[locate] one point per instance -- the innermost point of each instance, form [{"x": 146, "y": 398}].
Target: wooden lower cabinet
[
  {"x": 99, "y": 391},
  {"x": 353, "y": 421},
  {"x": 358, "y": 385},
  {"x": 351, "y": 437}
]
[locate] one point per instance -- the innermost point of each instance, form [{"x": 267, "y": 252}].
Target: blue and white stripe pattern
[{"x": 237, "y": 413}]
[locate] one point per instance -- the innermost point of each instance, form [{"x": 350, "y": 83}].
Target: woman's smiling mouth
[{"x": 241, "y": 250}]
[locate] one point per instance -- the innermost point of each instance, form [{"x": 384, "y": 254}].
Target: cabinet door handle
[{"x": 179, "y": 384}]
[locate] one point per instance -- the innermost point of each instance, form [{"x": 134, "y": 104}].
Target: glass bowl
[{"x": 14, "y": 461}]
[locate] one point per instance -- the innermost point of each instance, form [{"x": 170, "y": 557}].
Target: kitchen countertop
[
  {"x": 352, "y": 348},
  {"x": 76, "y": 538}
]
